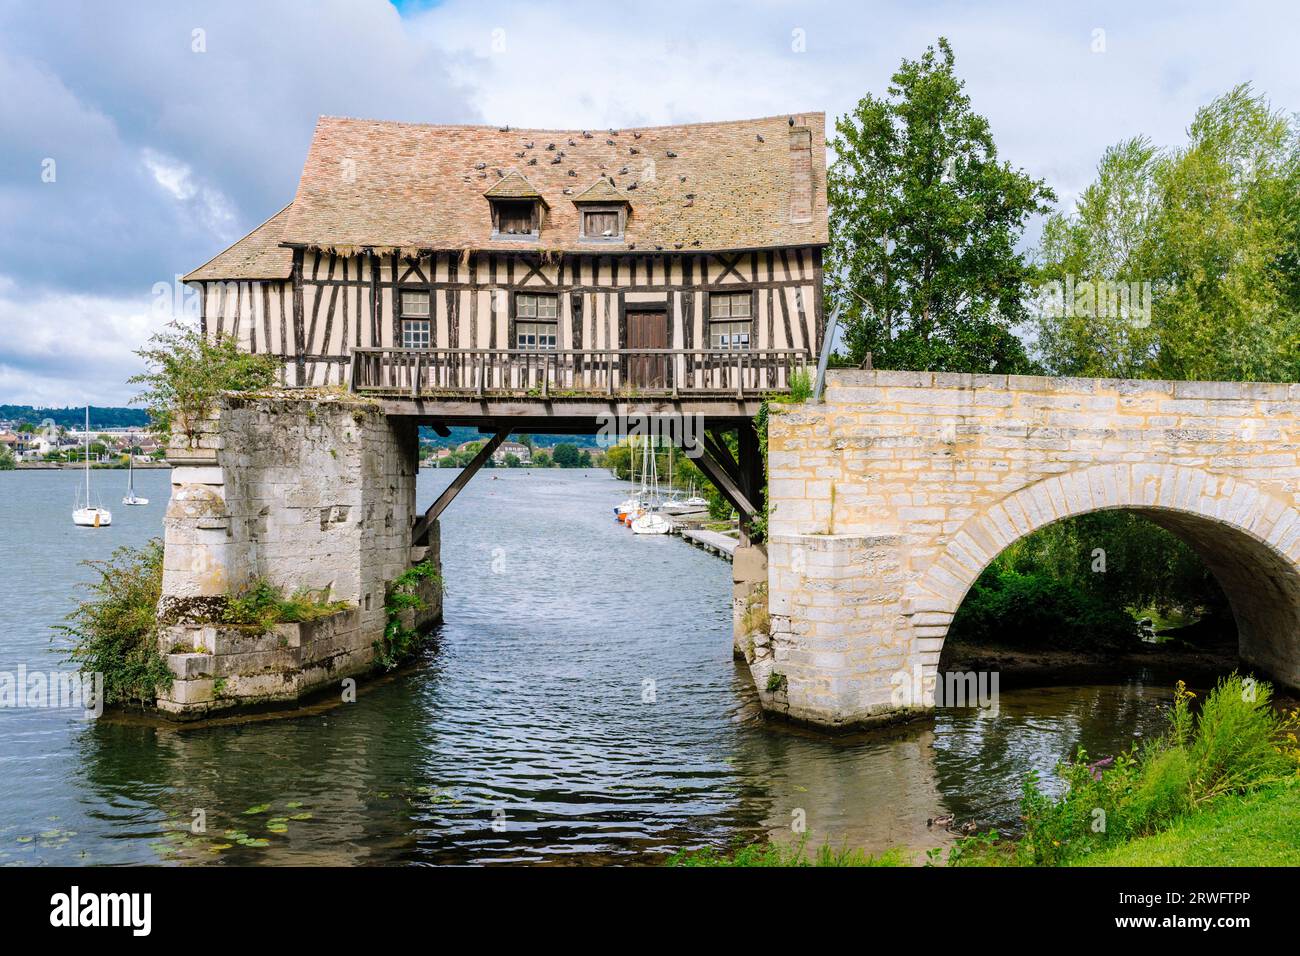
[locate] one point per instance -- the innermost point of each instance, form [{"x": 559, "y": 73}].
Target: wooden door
[{"x": 647, "y": 329}]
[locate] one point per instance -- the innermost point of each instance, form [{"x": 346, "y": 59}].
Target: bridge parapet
[{"x": 888, "y": 500}]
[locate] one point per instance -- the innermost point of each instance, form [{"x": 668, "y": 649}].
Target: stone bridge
[{"x": 888, "y": 500}]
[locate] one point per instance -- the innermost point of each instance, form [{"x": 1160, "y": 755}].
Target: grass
[
  {"x": 262, "y": 605},
  {"x": 779, "y": 855},
  {"x": 1258, "y": 829},
  {"x": 1222, "y": 774}
]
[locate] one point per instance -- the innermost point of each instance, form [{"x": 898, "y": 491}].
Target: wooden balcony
[{"x": 607, "y": 375}]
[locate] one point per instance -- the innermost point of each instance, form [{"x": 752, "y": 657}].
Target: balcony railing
[{"x": 560, "y": 373}]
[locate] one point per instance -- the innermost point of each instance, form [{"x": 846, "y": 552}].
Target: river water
[{"x": 580, "y": 704}]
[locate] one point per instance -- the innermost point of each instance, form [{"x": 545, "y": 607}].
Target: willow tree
[
  {"x": 924, "y": 222},
  {"x": 1212, "y": 228}
]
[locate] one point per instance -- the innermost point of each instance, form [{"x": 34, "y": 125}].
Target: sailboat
[
  {"x": 651, "y": 521},
  {"x": 87, "y": 515},
  {"x": 131, "y": 497},
  {"x": 630, "y": 505},
  {"x": 692, "y": 502}
]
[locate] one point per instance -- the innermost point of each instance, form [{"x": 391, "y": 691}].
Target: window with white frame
[
  {"x": 417, "y": 329},
  {"x": 730, "y": 319},
  {"x": 536, "y": 321}
]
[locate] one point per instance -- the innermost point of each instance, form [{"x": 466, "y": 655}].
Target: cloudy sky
[{"x": 137, "y": 139}]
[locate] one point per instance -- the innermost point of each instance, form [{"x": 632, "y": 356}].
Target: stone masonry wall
[
  {"x": 312, "y": 493},
  {"x": 888, "y": 499}
]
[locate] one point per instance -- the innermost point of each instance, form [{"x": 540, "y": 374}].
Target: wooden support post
[
  {"x": 420, "y": 533},
  {"x": 717, "y": 473},
  {"x": 753, "y": 480}
]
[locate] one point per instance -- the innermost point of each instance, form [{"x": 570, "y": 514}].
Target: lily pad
[
  {"x": 278, "y": 828},
  {"x": 260, "y": 808},
  {"x": 301, "y": 816}
]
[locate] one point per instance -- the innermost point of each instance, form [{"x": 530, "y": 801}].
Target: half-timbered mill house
[
  {"x": 509, "y": 280},
  {"x": 476, "y": 250}
]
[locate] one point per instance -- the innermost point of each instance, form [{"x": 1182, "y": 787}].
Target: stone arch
[{"x": 1249, "y": 539}]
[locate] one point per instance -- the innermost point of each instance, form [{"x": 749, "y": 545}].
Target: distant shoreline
[{"x": 79, "y": 465}]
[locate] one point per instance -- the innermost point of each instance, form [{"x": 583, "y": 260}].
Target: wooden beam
[
  {"x": 750, "y": 465},
  {"x": 722, "y": 455},
  {"x": 715, "y": 472},
  {"x": 420, "y": 533}
]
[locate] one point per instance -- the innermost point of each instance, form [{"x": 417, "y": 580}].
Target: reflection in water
[{"x": 580, "y": 703}]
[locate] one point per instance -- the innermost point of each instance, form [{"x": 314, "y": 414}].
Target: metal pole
[{"x": 825, "y": 357}]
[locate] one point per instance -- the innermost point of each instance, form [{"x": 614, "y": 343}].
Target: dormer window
[
  {"x": 602, "y": 212},
  {"x": 517, "y": 208},
  {"x": 515, "y": 217},
  {"x": 602, "y": 223}
]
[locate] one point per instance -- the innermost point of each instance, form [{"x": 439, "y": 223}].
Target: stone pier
[
  {"x": 311, "y": 493},
  {"x": 887, "y": 501}
]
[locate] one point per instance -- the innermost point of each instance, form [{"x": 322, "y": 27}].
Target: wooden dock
[{"x": 722, "y": 545}]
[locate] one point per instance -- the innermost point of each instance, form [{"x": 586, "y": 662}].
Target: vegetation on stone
[
  {"x": 262, "y": 605},
  {"x": 114, "y": 632},
  {"x": 186, "y": 372},
  {"x": 399, "y": 641}
]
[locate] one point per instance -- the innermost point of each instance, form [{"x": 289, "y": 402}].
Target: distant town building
[{"x": 518, "y": 449}]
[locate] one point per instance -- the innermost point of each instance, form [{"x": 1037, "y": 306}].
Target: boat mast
[{"x": 87, "y": 456}]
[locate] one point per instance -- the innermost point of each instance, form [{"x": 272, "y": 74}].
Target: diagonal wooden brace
[
  {"x": 420, "y": 533},
  {"x": 723, "y": 481}
]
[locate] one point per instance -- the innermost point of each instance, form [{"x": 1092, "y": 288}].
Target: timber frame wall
[{"x": 333, "y": 303}]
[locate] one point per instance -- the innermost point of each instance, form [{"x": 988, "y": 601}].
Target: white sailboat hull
[
  {"x": 651, "y": 524},
  {"x": 133, "y": 500},
  {"x": 92, "y": 517}
]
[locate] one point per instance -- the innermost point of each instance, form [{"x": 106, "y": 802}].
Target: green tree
[
  {"x": 186, "y": 372},
  {"x": 618, "y": 459},
  {"x": 566, "y": 455},
  {"x": 1213, "y": 228},
  {"x": 924, "y": 220},
  {"x": 1105, "y": 239},
  {"x": 512, "y": 460},
  {"x": 541, "y": 460},
  {"x": 7, "y": 462}
]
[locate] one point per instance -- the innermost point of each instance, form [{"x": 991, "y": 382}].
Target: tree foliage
[
  {"x": 924, "y": 220},
  {"x": 186, "y": 371},
  {"x": 114, "y": 631},
  {"x": 1213, "y": 227}
]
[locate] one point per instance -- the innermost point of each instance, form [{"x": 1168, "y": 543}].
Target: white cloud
[
  {"x": 67, "y": 348},
  {"x": 1053, "y": 103},
  {"x": 208, "y": 203},
  {"x": 166, "y": 155}
]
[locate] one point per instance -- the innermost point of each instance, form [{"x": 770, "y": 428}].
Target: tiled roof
[
  {"x": 602, "y": 190},
  {"x": 710, "y": 186},
  {"x": 258, "y": 255},
  {"x": 513, "y": 186}
]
